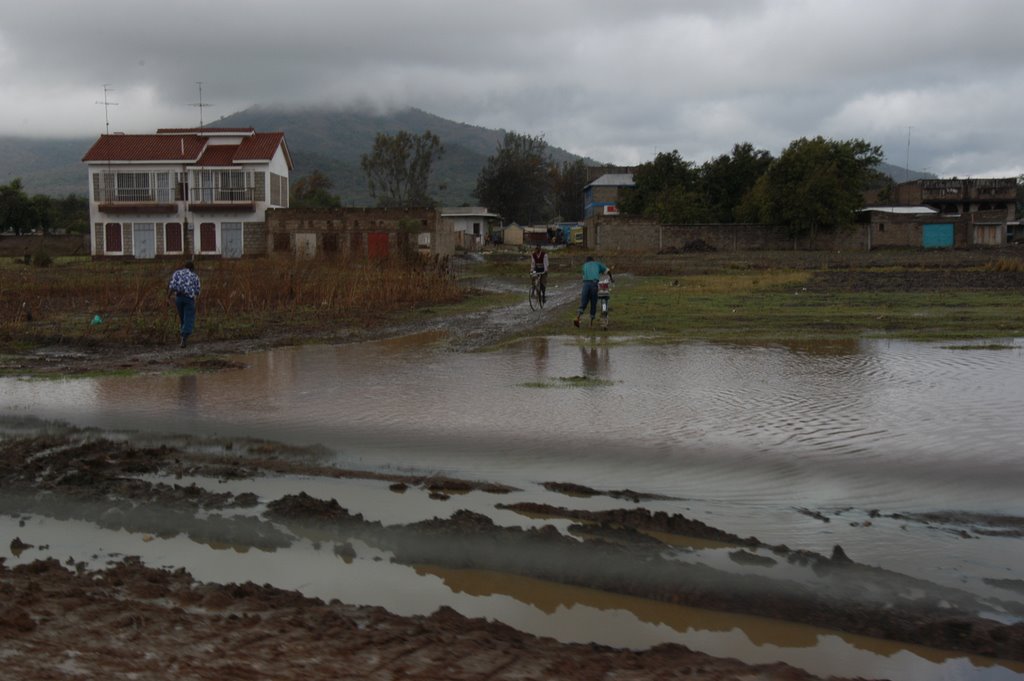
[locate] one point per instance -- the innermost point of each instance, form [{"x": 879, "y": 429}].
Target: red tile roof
[
  {"x": 218, "y": 155},
  {"x": 188, "y": 146},
  {"x": 262, "y": 146},
  {"x": 146, "y": 148}
]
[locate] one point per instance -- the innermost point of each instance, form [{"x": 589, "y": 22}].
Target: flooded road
[{"x": 810, "y": 446}]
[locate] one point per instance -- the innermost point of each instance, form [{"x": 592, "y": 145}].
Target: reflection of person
[
  {"x": 592, "y": 271},
  {"x": 184, "y": 288},
  {"x": 539, "y": 268}
]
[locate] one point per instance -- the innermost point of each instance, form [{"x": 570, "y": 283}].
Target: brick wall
[
  {"x": 254, "y": 239},
  {"x": 624, "y": 234},
  {"x": 344, "y": 231}
]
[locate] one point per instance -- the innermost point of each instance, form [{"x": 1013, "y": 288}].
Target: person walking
[
  {"x": 183, "y": 289},
  {"x": 592, "y": 271}
]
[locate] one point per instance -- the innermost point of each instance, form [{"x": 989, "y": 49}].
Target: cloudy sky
[{"x": 615, "y": 81}]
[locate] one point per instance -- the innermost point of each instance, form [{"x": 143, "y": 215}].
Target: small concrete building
[{"x": 473, "y": 225}]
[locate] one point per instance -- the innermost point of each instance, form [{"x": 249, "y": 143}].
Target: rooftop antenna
[
  {"x": 200, "y": 104},
  {"x": 107, "y": 104},
  {"x": 909, "y": 128}
]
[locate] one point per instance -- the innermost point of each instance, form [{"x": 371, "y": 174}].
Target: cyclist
[{"x": 539, "y": 269}]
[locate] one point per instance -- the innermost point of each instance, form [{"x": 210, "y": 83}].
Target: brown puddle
[{"x": 550, "y": 597}]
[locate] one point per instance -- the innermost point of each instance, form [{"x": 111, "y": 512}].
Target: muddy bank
[
  {"x": 114, "y": 484},
  {"x": 130, "y": 620}
]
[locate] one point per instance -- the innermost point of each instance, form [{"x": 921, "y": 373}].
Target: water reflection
[
  {"x": 744, "y": 434},
  {"x": 595, "y": 360}
]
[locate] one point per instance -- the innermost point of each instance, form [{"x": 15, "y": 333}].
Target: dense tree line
[
  {"x": 21, "y": 213},
  {"x": 814, "y": 184},
  {"x": 523, "y": 184}
]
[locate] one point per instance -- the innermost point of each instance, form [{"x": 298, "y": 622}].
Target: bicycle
[{"x": 538, "y": 292}]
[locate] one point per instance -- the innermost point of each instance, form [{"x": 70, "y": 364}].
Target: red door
[
  {"x": 377, "y": 244},
  {"x": 208, "y": 237},
  {"x": 172, "y": 238},
  {"x": 112, "y": 238}
]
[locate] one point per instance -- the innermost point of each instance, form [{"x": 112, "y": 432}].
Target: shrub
[{"x": 41, "y": 258}]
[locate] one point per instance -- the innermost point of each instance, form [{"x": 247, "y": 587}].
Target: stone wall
[{"x": 254, "y": 239}]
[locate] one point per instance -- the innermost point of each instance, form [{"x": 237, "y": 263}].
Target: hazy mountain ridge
[{"x": 327, "y": 139}]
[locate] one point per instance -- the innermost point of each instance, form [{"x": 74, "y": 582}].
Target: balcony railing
[
  {"x": 122, "y": 195},
  {"x": 208, "y": 195}
]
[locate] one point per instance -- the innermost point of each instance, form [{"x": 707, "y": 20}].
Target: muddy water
[{"x": 764, "y": 441}]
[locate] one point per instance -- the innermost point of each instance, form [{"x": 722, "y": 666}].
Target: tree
[
  {"x": 16, "y": 209},
  {"x": 1020, "y": 196},
  {"x": 569, "y": 180},
  {"x": 398, "y": 168},
  {"x": 516, "y": 181},
  {"x": 314, "y": 191},
  {"x": 71, "y": 213},
  {"x": 816, "y": 183},
  {"x": 666, "y": 189},
  {"x": 727, "y": 179}
]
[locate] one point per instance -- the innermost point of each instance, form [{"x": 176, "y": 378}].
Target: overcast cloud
[{"x": 615, "y": 81}]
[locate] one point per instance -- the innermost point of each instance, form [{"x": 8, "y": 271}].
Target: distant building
[
  {"x": 185, "y": 192},
  {"x": 601, "y": 197},
  {"x": 949, "y": 213},
  {"x": 474, "y": 225}
]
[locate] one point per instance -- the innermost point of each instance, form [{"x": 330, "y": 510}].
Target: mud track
[{"x": 77, "y": 474}]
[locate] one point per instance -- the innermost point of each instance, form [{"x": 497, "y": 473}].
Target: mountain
[
  {"x": 45, "y": 166},
  {"x": 330, "y": 140},
  {"x": 326, "y": 139},
  {"x": 898, "y": 174}
]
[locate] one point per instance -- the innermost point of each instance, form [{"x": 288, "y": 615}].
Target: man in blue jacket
[
  {"x": 592, "y": 271},
  {"x": 183, "y": 290}
]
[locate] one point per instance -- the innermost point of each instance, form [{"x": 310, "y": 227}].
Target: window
[
  {"x": 173, "y": 238},
  {"x": 163, "y": 187},
  {"x": 132, "y": 187},
  {"x": 231, "y": 185},
  {"x": 210, "y": 186}
]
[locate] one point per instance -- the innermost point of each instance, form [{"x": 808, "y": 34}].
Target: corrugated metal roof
[
  {"x": 900, "y": 210},
  {"x": 467, "y": 211},
  {"x": 614, "y": 180}
]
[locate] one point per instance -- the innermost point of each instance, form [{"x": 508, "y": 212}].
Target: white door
[{"x": 144, "y": 240}]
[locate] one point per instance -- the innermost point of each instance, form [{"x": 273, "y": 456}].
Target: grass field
[{"x": 726, "y": 297}]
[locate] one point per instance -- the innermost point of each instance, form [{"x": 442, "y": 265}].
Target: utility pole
[
  {"x": 107, "y": 104},
  {"x": 200, "y": 104}
]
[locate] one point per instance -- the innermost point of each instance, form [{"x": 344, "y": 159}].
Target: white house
[{"x": 185, "y": 192}]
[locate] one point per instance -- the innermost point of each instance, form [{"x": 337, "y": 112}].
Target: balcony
[
  {"x": 129, "y": 201},
  {"x": 222, "y": 199}
]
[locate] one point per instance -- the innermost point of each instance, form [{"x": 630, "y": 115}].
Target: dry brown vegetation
[{"x": 79, "y": 301}]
